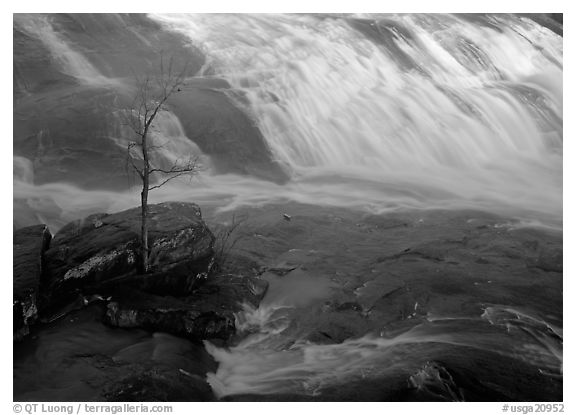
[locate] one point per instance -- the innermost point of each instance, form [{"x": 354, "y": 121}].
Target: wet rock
[
  {"x": 85, "y": 360},
  {"x": 282, "y": 268},
  {"x": 119, "y": 45},
  {"x": 225, "y": 133},
  {"x": 436, "y": 381},
  {"x": 158, "y": 385},
  {"x": 354, "y": 306},
  {"x": 550, "y": 260},
  {"x": 101, "y": 252},
  {"x": 208, "y": 313},
  {"x": 332, "y": 326},
  {"x": 66, "y": 126},
  {"x": 29, "y": 246},
  {"x": 272, "y": 397}
]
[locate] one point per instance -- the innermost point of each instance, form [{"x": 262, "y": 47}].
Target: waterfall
[
  {"x": 71, "y": 61},
  {"x": 370, "y": 112},
  {"x": 169, "y": 145},
  {"x": 435, "y": 107},
  {"x": 373, "y": 112}
]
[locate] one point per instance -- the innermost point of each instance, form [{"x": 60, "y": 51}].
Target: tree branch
[
  {"x": 190, "y": 167},
  {"x": 182, "y": 173},
  {"x": 130, "y": 159}
]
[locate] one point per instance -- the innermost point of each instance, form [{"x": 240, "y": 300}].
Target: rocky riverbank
[
  {"x": 87, "y": 272},
  {"x": 345, "y": 275},
  {"x": 409, "y": 305}
]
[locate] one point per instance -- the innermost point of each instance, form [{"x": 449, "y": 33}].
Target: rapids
[
  {"x": 370, "y": 112},
  {"x": 399, "y": 111},
  {"x": 256, "y": 366},
  {"x": 273, "y": 357},
  {"x": 378, "y": 113}
]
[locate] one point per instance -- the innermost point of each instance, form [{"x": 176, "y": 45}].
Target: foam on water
[
  {"x": 479, "y": 122},
  {"x": 369, "y": 112},
  {"x": 265, "y": 363},
  {"x": 272, "y": 358}
]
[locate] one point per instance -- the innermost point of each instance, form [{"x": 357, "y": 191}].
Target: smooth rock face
[
  {"x": 208, "y": 313},
  {"x": 224, "y": 132},
  {"x": 70, "y": 136},
  {"x": 29, "y": 245},
  {"x": 101, "y": 252}
]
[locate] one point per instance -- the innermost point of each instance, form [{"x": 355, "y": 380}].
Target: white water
[
  {"x": 266, "y": 362},
  {"x": 478, "y": 125},
  {"x": 472, "y": 128},
  {"x": 168, "y": 145},
  {"x": 272, "y": 358}
]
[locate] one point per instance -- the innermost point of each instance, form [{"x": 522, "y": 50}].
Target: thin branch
[
  {"x": 190, "y": 167},
  {"x": 168, "y": 179},
  {"x": 146, "y": 106},
  {"x": 131, "y": 122},
  {"x": 130, "y": 159}
]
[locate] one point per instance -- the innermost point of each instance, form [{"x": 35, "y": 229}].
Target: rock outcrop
[
  {"x": 159, "y": 385},
  {"x": 100, "y": 253},
  {"x": 29, "y": 246},
  {"x": 208, "y": 313},
  {"x": 96, "y": 259}
]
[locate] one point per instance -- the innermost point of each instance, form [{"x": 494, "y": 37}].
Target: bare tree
[{"x": 152, "y": 94}]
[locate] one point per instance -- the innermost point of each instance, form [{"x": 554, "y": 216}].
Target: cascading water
[
  {"x": 393, "y": 111},
  {"x": 268, "y": 362},
  {"x": 73, "y": 63},
  {"x": 413, "y": 110},
  {"x": 168, "y": 142},
  {"x": 376, "y": 112}
]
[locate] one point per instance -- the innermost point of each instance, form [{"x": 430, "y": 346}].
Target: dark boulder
[
  {"x": 159, "y": 385},
  {"x": 101, "y": 252},
  {"x": 29, "y": 246},
  {"x": 207, "y": 313}
]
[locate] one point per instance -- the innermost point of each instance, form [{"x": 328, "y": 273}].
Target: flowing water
[
  {"x": 376, "y": 112},
  {"x": 403, "y": 110},
  {"x": 256, "y": 366},
  {"x": 371, "y": 112},
  {"x": 72, "y": 62},
  {"x": 273, "y": 358},
  {"x": 383, "y": 111}
]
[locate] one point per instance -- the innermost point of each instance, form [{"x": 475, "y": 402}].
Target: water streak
[
  {"x": 72, "y": 62},
  {"x": 265, "y": 363},
  {"x": 478, "y": 118},
  {"x": 369, "y": 112}
]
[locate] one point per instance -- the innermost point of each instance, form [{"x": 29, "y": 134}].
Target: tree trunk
[
  {"x": 144, "y": 199},
  {"x": 144, "y": 230}
]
